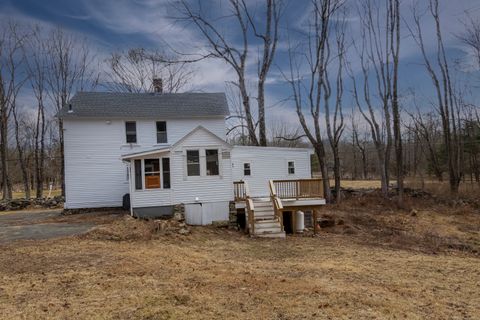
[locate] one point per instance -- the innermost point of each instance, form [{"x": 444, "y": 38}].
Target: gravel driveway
[{"x": 35, "y": 225}]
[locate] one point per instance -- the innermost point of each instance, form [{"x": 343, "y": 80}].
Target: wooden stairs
[{"x": 265, "y": 223}]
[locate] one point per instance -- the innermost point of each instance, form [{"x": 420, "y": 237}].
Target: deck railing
[
  {"x": 299, "y": 188},
  {"x": 239, "y": 190}
]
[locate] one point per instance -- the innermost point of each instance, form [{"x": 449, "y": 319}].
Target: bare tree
[
  {"x": 471, "y": 37},
  {"x": 221, "y": 47},
  {"x": 37, "y": 67},
  {"x": 12, "y": 78},
  {"x": 378, "y": 54},
  {"x": 313, "y": 86},
  {"x": 336, "y": 126},
  {"x": 70, "y": 69},
  {"x": 135, "y": 69},
  {"x": 447, "y": 104}
]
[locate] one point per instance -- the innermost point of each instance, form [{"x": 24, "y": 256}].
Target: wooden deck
[{"x": 287, "y": 196}]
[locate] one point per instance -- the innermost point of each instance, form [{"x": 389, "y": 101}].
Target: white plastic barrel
[{"x": 300, "y": 219}]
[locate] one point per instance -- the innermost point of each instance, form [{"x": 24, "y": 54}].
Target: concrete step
[
  {"x": 265, "y": 218},
  {"x": 280, "y": 234}
]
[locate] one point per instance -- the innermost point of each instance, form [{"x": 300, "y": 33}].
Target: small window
[
  {"x": 291, "y": 167},
  {"x": 138, "y": 174},
  {"x": 161, "y": 132},
  {"x": 152, "y": 173},
  {"x": 212, "y": 162},
  {"x": 131, "y": 131},
  {"x": 166, "y": 172},
  {"x": 246, "y": 169},
  {"x": 193, "y": 163}
]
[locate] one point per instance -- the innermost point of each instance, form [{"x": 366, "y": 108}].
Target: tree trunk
[
  {"x": 6, "y": 184},
  {"x": 320, "y": 152}
]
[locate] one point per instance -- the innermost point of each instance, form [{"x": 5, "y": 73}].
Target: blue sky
[{"x": 112, "y": 25}]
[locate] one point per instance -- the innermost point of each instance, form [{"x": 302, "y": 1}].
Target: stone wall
[{"x": 21, "y": 204}]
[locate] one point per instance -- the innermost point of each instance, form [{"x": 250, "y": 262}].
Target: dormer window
[
  {"x": 131, "y": 131},
  {"x": 161, "y": 131}
]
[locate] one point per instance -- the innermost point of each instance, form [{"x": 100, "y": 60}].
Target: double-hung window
[
  {"x": 152, "y": 173},
  {"x": 193, "y": 162},
  {"x": 212, "y": 162},
  {"x": 131, "y": 131},
  {"x": 291, "y": 167},
  {"x": 246, "y": 169},
  {"x": 161, "y": 131}
]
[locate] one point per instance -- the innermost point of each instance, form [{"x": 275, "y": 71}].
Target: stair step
[
  {"x": 259, "y": 225},
  {"x": 263, "y": 209},
  {"x": 280, "y": 234},
  {"x": 263, "y": 213},
  {"x": 262, "y": 204}
]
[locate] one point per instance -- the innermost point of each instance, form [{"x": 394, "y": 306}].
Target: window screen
[
  {"x": 161, "y": 132},
  {"x": 138, "y": 174},
  {"x": 193, "y": 162},
  {"x": 166, "y": 172},
  {"x": 152, "y": 173},
  {"x": 131, "y": 131},
  {"x": 212, "y": 162}
]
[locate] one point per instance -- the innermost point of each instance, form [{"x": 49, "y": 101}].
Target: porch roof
[{"x": 143, "y": 153}]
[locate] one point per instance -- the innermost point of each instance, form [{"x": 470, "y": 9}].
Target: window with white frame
[
  {"x": 161, "y": 131},
  {"x": 246, "y": 169},
  {"x": 291, "y": 167},
  {"x": 211, "y": 156},
  {"x": 193, "y": 162},
  {"x": 131, "y": 131},
  {"x": 152, "y": 173}
]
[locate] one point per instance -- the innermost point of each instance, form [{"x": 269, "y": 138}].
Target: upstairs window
[
  {"x": 131, "y": 131},
  {"x": 212, "y": 162},
  {"x": 246, "y": 169},
  {"x": 193, "y": 162},
  {"x": 161, "y": 132},
  {"x": 152, "y": 173},
  {"x": 291, "y": 167}
]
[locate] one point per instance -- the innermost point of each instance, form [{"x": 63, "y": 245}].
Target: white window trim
[
  {"x": 294, "y": 168},
  {"x": 156, "y": 132},
  {"x": 250, "y": 167},
  {"x": 142, "y": 162},
  {"x": 125, "y": 133},
  {"x": 203, "y": 162}
]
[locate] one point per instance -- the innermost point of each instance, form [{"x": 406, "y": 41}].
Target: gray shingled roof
[{"x": 145, "y": 105}]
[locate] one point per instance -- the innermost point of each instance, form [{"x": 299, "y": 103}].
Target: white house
[{"x": 168, "y": 149}]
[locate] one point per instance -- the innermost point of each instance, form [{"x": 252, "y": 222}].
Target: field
[{"x": 377, "y": 262}]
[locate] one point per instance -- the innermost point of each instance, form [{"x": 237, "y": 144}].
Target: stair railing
[
  {"x": 277, "y": 204},
  {"x": 250, "y": 208}
]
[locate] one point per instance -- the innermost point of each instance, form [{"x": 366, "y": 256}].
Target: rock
[
  {"x": 340, "y": 222},
  {"x": 413, "y": 213},
  {"x": 184, "y": 231}
]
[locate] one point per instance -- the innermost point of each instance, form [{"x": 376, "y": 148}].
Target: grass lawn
[{"x": 379, "y": 263}]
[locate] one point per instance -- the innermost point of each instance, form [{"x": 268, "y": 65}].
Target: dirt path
[{"x": 35, "y": 225}]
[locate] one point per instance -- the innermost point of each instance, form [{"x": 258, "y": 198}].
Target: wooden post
[{"x": 314, "y": 213}]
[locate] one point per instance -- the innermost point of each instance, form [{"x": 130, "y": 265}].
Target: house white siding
[
  {"x": 206, "y": 188},
  {"x": 95, "y": 176},
  {"x": 269, "y": 163}
]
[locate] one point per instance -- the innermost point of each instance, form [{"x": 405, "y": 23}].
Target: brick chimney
[{"x": 157, "y": 85}]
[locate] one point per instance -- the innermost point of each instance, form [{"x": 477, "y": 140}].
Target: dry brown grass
[{"x": 127, "y": 270}]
